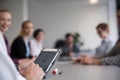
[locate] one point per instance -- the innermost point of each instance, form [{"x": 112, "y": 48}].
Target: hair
[
  {"x": 4, "y": 10},
  {"x": 25, "y": 22},
  {"x": 37, "y": 31},
  {"x": 68, "y": 34},
  {"x": 103, "y": 26},
  {"x": 118, "y": 7},
  {"x": 23, "y": 26}
]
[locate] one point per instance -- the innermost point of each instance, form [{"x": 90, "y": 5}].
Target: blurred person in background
[
  {"x": 36, "y": 42},
  {"x": 111, "y": 57},
  {"x": 70, "y": 48},
  {"x": 20, "y": 48},
  {"x": 8, "y": 71},
  {"x": 107, "y": 43}
]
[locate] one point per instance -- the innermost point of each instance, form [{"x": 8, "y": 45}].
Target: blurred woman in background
[
  {"x": 20, "y": 48},
  {"x": 36, "y": 42}
]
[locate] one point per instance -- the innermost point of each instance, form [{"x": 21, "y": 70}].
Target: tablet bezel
[{"x": 55, "y": 58}]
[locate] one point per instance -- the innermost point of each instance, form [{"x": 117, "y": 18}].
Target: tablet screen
[{"x": 44, "y": 59}]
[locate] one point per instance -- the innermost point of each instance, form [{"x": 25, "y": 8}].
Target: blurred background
[
  {"x": 58, "y": 17},
  {"x": 78, "y": 17}
]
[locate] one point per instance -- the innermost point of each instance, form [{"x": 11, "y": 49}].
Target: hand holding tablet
[{"x": 47, "y": 58}]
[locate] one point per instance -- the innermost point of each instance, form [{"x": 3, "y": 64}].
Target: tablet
[{"x": 47, "y": 58}]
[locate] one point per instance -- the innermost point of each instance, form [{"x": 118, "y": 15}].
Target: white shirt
[
  {"x": 36, "y": 47},
  {"x": 26, "y": 41},
  {"x": 106, "y": 45},
  {"x": 8, "y": 70}
]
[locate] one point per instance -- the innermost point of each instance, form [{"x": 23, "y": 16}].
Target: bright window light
[{"x": 93, "y": 1}]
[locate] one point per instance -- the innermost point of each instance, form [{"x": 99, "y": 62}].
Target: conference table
[{"x": 71, "y": 71}]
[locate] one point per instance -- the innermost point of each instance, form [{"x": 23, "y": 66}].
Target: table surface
[{"x": 84, "y": 72}]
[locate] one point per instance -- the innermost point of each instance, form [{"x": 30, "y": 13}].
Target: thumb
[{"x": 32, "y": 60}]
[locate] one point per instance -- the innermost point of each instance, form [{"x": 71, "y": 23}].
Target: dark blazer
[{"x": 18, "y": 48}]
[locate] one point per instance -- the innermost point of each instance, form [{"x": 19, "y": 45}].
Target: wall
[{"x": 57, "y": 17}]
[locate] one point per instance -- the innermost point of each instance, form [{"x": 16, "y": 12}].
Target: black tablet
[{"x": 47, "y": 58}]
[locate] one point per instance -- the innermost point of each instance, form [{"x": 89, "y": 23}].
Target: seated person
[
  {"x": 106, "y": 43},
  {"x": 36, "y": 42},
  {"x": 110, "y": 58},
  {"x": 70, "y": 48},
  {"x": 20, "y": 48}
]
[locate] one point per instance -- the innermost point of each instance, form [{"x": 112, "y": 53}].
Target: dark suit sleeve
[
  {"x": 114, "y": 60},
  {"x": 18, "y": 49},
  {"x": 106, "y": 55}
]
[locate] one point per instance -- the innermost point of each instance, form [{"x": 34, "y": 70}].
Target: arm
[
  {"x": 114, "y": 60},
  {"x": 31, "y": 71},
  {"x": 64, "y": 50},
  {"x": 90, "y": 61},
  {"x": 76, "y": 48}
]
